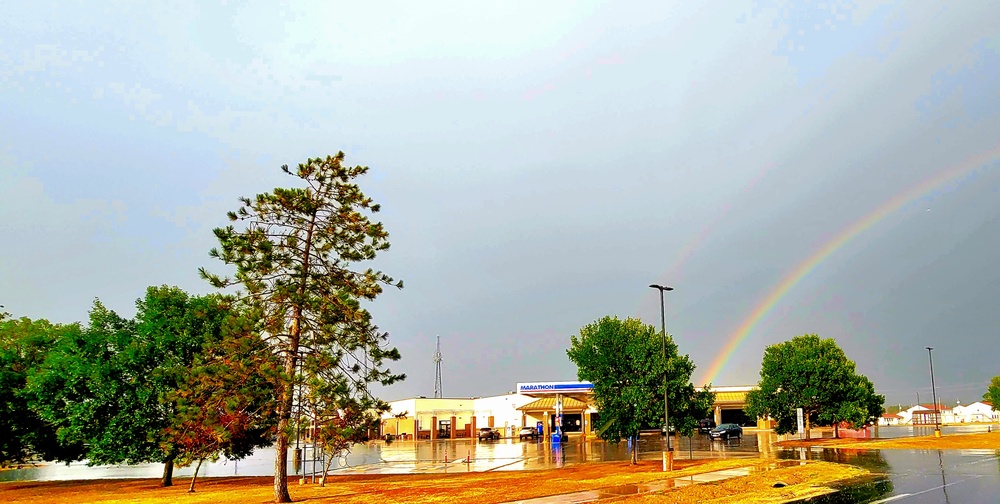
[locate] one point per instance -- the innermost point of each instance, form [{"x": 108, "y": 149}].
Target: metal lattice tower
[{"x": 437, "y": 370}]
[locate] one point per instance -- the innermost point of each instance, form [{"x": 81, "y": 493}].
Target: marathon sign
[{"x": 537, "y": 388}]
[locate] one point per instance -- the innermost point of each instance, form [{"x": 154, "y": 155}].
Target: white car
[{"x": 528, "y": 432}]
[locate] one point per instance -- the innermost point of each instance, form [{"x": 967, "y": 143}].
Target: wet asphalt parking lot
[{"x": 904, "y": 476}]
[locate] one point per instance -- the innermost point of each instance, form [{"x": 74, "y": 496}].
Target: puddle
[{"x": 867, "y": 489}]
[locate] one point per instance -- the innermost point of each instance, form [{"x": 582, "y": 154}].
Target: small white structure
[
  {"x": 975, "y": 413},
  {"x": 890, "y": 419}
]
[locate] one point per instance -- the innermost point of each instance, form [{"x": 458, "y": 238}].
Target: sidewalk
[{"x": 658, "y": 486}]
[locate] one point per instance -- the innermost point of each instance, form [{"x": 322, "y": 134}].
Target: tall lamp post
[
  {"x": 937, "y": 410},
  {"x": 668, "y": 456}
]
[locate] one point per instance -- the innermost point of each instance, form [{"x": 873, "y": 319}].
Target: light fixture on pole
[
  {"x": 668, "y": 456},
  {"x": 937, "y": 410}
]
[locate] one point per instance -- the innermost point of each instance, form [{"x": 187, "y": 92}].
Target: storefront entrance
[{"x": 572, "y": 422}]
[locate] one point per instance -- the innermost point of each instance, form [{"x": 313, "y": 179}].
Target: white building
[
  {"x": 503, "y": 412},
  {"x": 890, "y": 419},
  {"x": 976, "y": 412},
  {"x": 544, "y": 404},
  {"x": 455, "y": 417},
  {"x": 566, "y": 405}
]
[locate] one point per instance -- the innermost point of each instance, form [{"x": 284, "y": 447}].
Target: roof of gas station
[
  {"x": 549, "y": 404},
  {"x": 580, "y": 391},
  {"x": 730, "y": 397}
]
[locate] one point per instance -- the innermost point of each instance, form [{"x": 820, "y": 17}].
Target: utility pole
[
  {"x": 668, "y": 456},
  {"x": 937, "y": 409}
]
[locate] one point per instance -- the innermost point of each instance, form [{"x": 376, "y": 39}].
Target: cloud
[{"x": 965, "y": 92}]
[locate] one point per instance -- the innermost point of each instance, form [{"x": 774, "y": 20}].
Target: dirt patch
[
  {"x": 492, "y": 487},
  {"x": 983, "y": 440},
  {"x": 797, "y": 482},
  {"x": 786, "y": 484}
]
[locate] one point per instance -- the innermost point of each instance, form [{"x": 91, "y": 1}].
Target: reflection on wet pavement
[
  {"x": 425, "y": 457},
  {"x": 908, "y": 476}
]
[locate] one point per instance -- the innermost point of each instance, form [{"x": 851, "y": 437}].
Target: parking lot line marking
[{"x": 890, "y": 499}]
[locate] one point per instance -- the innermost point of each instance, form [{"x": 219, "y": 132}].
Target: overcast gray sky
[{"x": 539, "y": 164}]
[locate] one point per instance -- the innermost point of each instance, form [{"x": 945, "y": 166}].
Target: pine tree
[{"x": 294, "y": 256}]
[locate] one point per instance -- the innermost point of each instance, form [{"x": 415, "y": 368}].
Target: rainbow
[{"x": 793, "y": 277}]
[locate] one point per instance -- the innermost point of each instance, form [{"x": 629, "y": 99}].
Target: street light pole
[
  {"x": 937, "y": 410},
  {"x": 668, "y": 456}
]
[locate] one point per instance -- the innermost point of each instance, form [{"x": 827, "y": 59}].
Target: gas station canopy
[{"x": 581, "y": 391}]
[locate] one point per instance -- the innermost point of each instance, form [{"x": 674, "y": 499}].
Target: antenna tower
[{"x": 437, "y": 370}]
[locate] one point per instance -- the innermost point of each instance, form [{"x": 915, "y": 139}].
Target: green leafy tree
[
  {"x": 91, "y": 389},
  {"x": 624, "y": 361},
  {"x": 294, "y": 256},
  {"x": 111, "y": 387},
  {"x": 993, "y": 392},
  {"x": 813, "y": 374},
  {"x": 172, "y": 330},
  {"x": 24, "y": 345}
]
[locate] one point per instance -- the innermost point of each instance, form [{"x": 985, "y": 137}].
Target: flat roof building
[{"x": 535, "y": 404}]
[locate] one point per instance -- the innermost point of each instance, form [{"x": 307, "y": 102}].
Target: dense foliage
[
  {"x": 24, "y": 345},
  {"x": 294, "y": 256},
  {"x": 813, "y": 374},
  {"x": 624, "y": 360},
  {"x": 225, "y": 401},
  {"x": 993, "y": 392},
  {"x": 119, "y": 391}
]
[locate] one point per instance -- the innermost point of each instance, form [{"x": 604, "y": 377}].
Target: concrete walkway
[
  {"x": 644, "y": 488},
  {"x": 620, "y": 491}
]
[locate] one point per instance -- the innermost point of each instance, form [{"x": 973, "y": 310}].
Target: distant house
[
  {"x": 979, "y": 411},
  {"x": 890, "y": 419}
]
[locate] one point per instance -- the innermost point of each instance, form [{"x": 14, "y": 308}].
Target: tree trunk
[
  {"x": 326, "y": 469},
  {"x": 836, "y": 430},
  {"x": 807, "y": 425},
  {"x": 635, "y": 451},
  {"x": 168, "y": 472},
  {"x": 194, "y": 477},
  {"x": 288, "y": 389},
  {"x": 284, "y": 415}
]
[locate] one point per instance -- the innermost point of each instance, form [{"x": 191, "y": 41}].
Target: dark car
[
  {"x": 705, "y": 426},
  {"x": 486, "y": 433},
  {"x": 528, "y": 432},
  {"x": 726, "y": 431}
]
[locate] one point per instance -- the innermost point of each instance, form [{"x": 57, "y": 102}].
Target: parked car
[
  {"x": 705, "y": 426},
  {"x": 726, "y": 431},
  {"x": 487, "y": 433},
  {"x": 528, "y": 432}
]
